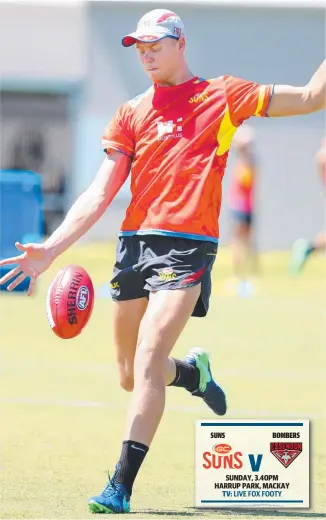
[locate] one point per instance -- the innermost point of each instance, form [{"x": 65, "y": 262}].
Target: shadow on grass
[{"x": 257, "y": 513}]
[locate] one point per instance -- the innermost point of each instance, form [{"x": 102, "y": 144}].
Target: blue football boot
[{"x": 113, "y": 499}]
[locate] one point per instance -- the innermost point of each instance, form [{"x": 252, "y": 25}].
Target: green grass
[{"x": 62, "y": 411}]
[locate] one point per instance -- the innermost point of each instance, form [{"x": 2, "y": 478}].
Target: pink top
[{"x": 241, "y": 188}]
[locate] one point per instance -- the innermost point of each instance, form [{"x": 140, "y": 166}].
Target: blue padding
[{"x": 21, "y": 215}]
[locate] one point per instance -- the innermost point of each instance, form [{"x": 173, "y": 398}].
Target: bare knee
[{"x": 150, "y": 361}]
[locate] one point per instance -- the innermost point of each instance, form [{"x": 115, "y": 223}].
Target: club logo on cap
[{"x": 168, "y": 17}]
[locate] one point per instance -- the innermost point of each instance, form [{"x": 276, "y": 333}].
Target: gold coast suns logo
[
  {"x": 199, "y": 98},
  {"x": 222, "y": 456},
  {"x": 167, "y": 274}
]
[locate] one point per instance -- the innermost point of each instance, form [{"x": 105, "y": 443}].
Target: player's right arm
[
  {"x": 91, "y": 204},
  {"x": 118, "y": 143},
  {"x": 84, "y": 213}
]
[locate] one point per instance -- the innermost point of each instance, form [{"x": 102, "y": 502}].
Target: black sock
[
  {"x": 131, "y": 458},
  {"x": 187, "y": 376}
]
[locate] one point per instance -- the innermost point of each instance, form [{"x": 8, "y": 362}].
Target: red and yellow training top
[{"x": 178, "y": 139}]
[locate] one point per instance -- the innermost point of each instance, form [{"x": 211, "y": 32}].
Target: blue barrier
[{"x": 21, "y": 215}]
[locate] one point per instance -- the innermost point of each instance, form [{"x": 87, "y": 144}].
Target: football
[{"x": 70, "y": 301}]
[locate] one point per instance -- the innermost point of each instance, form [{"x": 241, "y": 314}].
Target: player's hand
[{"x": 34, "y": 260}]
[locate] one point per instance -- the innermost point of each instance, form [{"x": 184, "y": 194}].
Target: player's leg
[
  {"x": 130, "y": 301},
  {"x": 129, "y": 304},
  {"x": 163, "y": 321},
  {"x": 127, "y": 316},
  {"x": 249, "y": 254},
  {"x": 255, "y": 265},
  {"x": 240, "y": 244},
  {"x": 253, "y": 270}
]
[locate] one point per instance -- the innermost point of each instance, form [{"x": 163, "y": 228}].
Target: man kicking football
[{"x": 175, "y": 139}]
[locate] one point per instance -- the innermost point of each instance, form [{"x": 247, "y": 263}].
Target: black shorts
[
  {"x": 150, "y": 263},
  {"x": 243, "y": 217}
]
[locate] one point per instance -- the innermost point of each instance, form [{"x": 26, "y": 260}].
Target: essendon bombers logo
[{"x": 286, "y": 452}]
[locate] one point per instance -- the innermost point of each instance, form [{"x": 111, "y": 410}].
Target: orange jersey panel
[{"x": 178, "y": 139}]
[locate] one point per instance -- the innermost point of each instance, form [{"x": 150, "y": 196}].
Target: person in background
[{"x": 241, "y": 202}]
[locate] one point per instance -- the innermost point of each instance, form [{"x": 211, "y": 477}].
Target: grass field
[{"x": 62, "y": 411}]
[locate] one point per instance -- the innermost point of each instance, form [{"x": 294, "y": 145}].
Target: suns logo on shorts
[{"x": 167, "y": 274}]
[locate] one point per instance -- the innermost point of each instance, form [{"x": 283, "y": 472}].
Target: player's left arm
[{"x": 292, "y": 101}]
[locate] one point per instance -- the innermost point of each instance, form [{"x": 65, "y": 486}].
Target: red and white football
[{"x": 70, "y": 301}]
